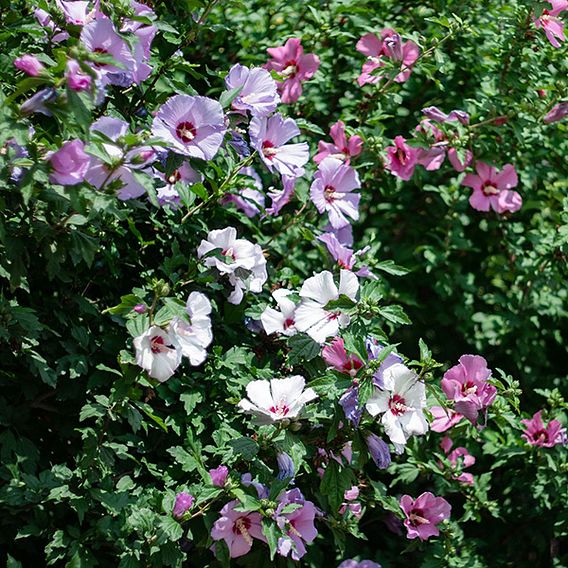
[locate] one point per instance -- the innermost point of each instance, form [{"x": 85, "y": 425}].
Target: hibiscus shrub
[{"x": 283, "y": 283}]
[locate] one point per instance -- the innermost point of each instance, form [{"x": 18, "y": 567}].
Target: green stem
[{"x": 221, "y": 189}]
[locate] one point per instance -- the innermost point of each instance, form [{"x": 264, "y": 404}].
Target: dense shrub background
[{"x": 93, "y": 453}]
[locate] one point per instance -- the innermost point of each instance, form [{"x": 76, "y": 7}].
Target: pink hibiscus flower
[
  {"x": 424, "y": 514},
  {"x": 466, "y": 384},
  {"x": 444, "y": 418},
  {"x": 460, "y": 459},
  {"x": 342, "y": 148},
  {"x": 537, "y": 434},
  {"x": 294, "y": 66},
  {"x": 556, "y": 113},
  {"x": 492, "y": 189},
  {"x": 401, "y": 159},
  {"x": 237, "y": 529},
  {"x": 552, "y": 25},
  {"x": 337, "y": 357},
  {"x": 389, "y": 45}
]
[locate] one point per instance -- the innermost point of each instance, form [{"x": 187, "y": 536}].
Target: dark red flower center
[
  {"x": 157, "y": 344},
  {"x": 281, "y": 408},
  {"x": 541, "y": 436},
  {"x": 241, "y": 524},
  {"x": 186, "y": 132},
  {"x": 401, "y": 156},
  {"x": 288, "y": 323},
  {"x": 397, "y": 405},
  {"x": 416, "y": 518},
  {"x": 352, "y": 365},
  {"x": 103, "y": 51},
  {"x": 230, "y": 252},
  {"x": 329, "y": 193},
  {"x": 268, "y": 149},
  {"x": 290, "y": 69},
  {"x": 469, "y": 387},
  {"x": 174, "y": 177},
  {"x": 489, "y": 189}
]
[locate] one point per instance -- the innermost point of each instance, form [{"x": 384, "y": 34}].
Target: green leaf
[
  {"x": 302, "y": 347},
  {"x": 336, "y": 480},
  {"x": 342, "y": 303},
  {"x": 171, "y": 528},
  {"x": 77, "y": 105},
  {"x": 390, "y": 267},
  {"x": 272, "y": 533},
  {"x": 126, "y": 305},
  {"x": 248, "y": 502},
  {"x": 245, "y": 447},
  {"x": 199, "y": 189},
  {"x": 227, "y": 97},
  {"x": 185, "y": 459},
  {"x": 394, "y": 314},
  {"x": 425, "y": 353},
  {"x": 388, "y": 502}
]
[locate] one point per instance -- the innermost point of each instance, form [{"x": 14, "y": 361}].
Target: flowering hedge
[{"x": 283, "y": 283}]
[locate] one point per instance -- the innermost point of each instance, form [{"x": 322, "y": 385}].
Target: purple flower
[
  {"x": 76, "y": 13},
  {"x": 281, "y": 197},
  {"x": 100, "y": 36},
  {"x": 297, "y": 525},
  {"x": 219, "y": 475},
  {"x": 262, "y": 490},
  {"x": 45, "y": 20},
  {"x": 331, "y": 191},
  {"x": 557, "y": 112},
  {"x": 168, "y": 194},
  {"x": 344, "y": 234},
  {"x": 239, "y": 144},
  {"x": 100, "y": 175},
  {"x": 76, "y": 79},
  {"x": 37, "y": 102},
  {"x": 193, "y": 126},
  {"x": 249, "y": 199},
  {"x": 237, "y": 529},
  {"x": 70, "y": 163},
  {"x": 286, "y": 468},
  {"x": 361, "y": 564},
  {"x": 434, "y": 113},
  {"x": 373, "y": 349},
  {"x": 258, "y": 90},
  {"x": 29, "y": 64},
  {"x": 15, "y": 151},
  {"x": 145, "y": 35},
  {"x": 379, "y": 451},
  {"x": 349, "y": 401},
  {"x": 424, "y": 514},
  {"x": 184, "y": 502},
  {"x": 269, "y": 136}
]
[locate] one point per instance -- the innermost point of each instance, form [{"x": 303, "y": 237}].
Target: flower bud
[
  {"x": 29, "y": 64},
  {"x": 184, "y": 502},
  {"x": 140, "y": 308},
  {"x": 219, "y": 475}
]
